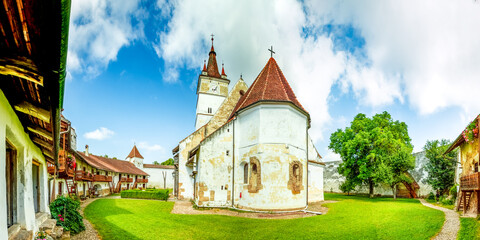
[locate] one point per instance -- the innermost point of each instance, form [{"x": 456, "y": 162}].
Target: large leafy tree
[
  {"x": 374, "y": 150},
  {"x": 440, "y": 166},
  {"x": 168, "y": 162}
]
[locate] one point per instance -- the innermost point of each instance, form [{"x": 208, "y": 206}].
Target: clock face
[{"x": 214, "y": 88}]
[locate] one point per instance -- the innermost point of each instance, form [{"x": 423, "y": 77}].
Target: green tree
[
  {"x": 156, "y": 163},
  {"x": 440, "y": 166},
  {"x": 168, "y": 162},
  {"x": 374, "y": 150}
]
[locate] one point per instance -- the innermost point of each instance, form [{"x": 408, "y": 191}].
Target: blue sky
[{"x": 133, "y": 65}]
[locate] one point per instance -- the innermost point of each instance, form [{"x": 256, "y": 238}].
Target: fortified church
[{"x": 251, "y": 148}]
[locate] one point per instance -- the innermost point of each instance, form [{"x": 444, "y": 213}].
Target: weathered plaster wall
[
  {"x": 185, "y": 181},
  {"x": 468, "y": 156},
  {"x": 12, "y": 130},
  {"x": 259, "y": 139},
  {"x": 156, "y": 178},
  {"x": 315, "y": 182},
  {"x": 214, "y": 178}
]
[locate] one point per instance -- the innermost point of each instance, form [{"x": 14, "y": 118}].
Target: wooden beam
[
  {"x": 47, "y": 153},
  {"x": 42, "y": 143},
  {"x": 42, "y": 132},
  {"x": 30, "y": 109},
  {"x": 21, "y": 67}
]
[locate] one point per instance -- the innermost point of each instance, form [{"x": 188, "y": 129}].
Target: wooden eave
[{"x": 33, "y": 49}]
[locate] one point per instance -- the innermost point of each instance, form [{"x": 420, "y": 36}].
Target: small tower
[
  {"x": 212, "y": 89},
  {"x": 135, "y": 157}
]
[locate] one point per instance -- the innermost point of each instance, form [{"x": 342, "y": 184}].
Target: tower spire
[
  {"x": 212, "y": 67},
  {"x": 204, "y": 66},
  {"x": 223, "y": 70}
]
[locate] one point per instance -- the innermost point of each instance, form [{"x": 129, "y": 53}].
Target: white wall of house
[
  {"x": 156, "y": 180},
  {"x": 12, "y": 130}
]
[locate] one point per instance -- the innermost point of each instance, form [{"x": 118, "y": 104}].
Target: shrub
[
  {"x": 65, "y": 211},
  {"x": 347, "y": 187},
  {"x": 161, "y": 194},
  {"x": 431, "y": 196},
  {"x": 453, "y": 191},
  {"x": 447, "y": 201}
]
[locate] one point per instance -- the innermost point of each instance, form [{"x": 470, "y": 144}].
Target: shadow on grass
[
  {"x": 103, "y": 225},
  {"x": 365, "y": 197}
]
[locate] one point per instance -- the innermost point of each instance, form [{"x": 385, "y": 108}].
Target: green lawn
[
  {"x": 469, "y": 229},
  {"x": 353, "y": 217}
]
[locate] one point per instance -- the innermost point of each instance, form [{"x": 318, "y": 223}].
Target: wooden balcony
[
  {"x": 64, "y": 171},
  {"x": 50, "y": 168},
  {"x": 123, "y": 179},
  {"x": 102, "y": 178},
  {"x": 142, "y": 180},
  {"x": 470, "y": 182},
  {"x": 83, "y": 176},
  {"x": 129, "y": 180}
]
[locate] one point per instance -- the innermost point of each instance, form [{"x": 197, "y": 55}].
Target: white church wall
[
  {"x": 206, "y": 101},
  {"x": 315, "y": 182},
  {"x": 214, "y": 181},
  {"x": 275, "y": 151},
  {"x": 156, "y": 178},
  {"x": 12, "y": 130}
]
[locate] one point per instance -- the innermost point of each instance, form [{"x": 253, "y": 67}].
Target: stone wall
[{"x": 333, "y": 180}]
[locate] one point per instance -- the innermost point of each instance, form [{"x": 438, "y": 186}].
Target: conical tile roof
[{"x": 135, "y": 153}]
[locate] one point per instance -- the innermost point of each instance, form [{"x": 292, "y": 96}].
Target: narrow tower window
[
  {"x": 209, "y": 110},
  {"x": 245, "y": 173}
]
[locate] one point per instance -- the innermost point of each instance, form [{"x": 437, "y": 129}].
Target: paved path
[
  {"x": 89, "y": 233},
  {"x": 452, "y": 222}
]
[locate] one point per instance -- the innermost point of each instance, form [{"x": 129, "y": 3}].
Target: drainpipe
[
  {"x": 306, "y": 136},
  {"x": 233, "y": 163}
]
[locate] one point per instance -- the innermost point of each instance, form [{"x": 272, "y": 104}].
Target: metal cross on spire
[
  {"x": 212, "y": 38},
  {"x": 271, "y": 51}
]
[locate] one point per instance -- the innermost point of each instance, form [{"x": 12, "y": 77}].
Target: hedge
[{"x": 161, "y": 194}]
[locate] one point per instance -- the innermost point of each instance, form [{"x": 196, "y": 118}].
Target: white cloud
[
  {"x": 98, "y": 30},
  {"x": 243, "y": 34},
  {"x": 99, "y": 134},
  {"x": 424, "y": 53},
  {"x": 150, "y": 147},
  {"x": 427, "y": 49}
]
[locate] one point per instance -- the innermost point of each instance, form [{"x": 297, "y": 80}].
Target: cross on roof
[
  {"x": 212, "y": 38},
  {"x": 271, "y": 51}
]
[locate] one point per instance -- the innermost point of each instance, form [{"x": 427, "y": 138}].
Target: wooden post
[{"x": 464, "y": 203}]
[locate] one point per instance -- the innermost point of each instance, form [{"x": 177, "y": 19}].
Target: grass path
[{"x": 349, "y": 218}]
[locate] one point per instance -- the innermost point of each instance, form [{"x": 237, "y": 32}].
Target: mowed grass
[
  {"x": 469, "y": 229},
  {"x": 353, "y": 217}
]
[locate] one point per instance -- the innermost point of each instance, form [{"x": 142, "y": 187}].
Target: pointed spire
[
  {"x": 223, "y": 71},
  {"x": 204, "y": 66},
  {"x": 134, "y": 153},
  {"x": 212, "y": 67}
]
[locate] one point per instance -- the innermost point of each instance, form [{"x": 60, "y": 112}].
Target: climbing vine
[{"x": 471, "y": 132}]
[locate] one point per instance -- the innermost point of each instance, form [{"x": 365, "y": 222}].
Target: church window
[
  {"x": 209, "y": 110},
  {"x": 245, "y": 173},
  {"x": 255, "y": 178},
  {"x": 295, "y": 177}
]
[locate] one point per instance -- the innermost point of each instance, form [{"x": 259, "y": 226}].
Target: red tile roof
[
  {"x": 158, "y": 166},
  {"x": 135, "y": 153},
  {"x": 113, "y": 165},
  {"x": 270, "y": 85},
  {"x": 212, "y": 67}
]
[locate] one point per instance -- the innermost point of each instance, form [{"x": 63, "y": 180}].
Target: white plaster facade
[
  {"x": 156, "y": 180},
  {"x": 27, "y": 153}
]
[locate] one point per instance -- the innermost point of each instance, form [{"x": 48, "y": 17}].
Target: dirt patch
[{"x": 186, "y": 207}]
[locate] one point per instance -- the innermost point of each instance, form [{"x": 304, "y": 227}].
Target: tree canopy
[
  {"x": 168, "y": 162},
  {"x": 374, "y": 150},
  {"x": 440, "y": 166}
]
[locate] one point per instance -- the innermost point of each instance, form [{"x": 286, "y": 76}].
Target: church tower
[
  {"x": 212, "y": 89},
  {"x": 135, "y": 157}
]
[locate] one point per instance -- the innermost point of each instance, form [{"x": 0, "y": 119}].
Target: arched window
[
  {"x": 245, "y": 173},
  {"x": 295, "y": 182},
  {"x": 255, "y": 178}
]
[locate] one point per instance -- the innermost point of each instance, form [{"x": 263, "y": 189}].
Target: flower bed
[{"x": 161, "y": 194}]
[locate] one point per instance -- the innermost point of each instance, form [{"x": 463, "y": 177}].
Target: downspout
[
  {"x": 306, "y": 137},
  {"x": 233, "y": 163}
]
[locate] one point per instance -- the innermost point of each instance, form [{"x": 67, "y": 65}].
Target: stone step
[
  {"x": 41, "y": 217},
  {"x": 48, "y": 225},
  {"x": 57, "y": 232},
  {"x": 23, "y": 234}
]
